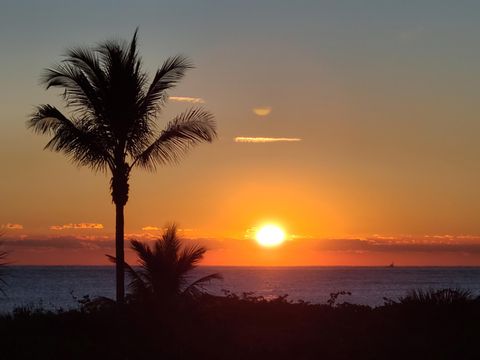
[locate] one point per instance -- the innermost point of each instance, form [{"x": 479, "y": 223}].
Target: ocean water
[{"x": 57, "y": 286}]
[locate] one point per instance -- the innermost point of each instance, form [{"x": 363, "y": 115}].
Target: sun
[{"x": 270, "y": 235}]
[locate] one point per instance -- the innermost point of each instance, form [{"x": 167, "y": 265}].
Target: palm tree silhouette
[
  {"x": 112, "y": 126},
  {"x": 164, "y": 269}
]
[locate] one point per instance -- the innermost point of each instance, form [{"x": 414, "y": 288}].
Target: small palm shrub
[
  {"x": 164, "y": 270},
  {"x": 437, "y": 297}
]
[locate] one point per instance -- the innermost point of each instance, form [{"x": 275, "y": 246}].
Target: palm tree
[
  {"x": 164, "y": 269},
  {"x": 112, "y": 125}
]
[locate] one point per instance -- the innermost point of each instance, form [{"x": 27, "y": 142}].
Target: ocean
[{"x": 58, "y": 286}]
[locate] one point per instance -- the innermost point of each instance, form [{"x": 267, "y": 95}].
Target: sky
[{"x": 353, "y": 125}]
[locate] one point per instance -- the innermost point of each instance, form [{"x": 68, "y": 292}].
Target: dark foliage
[
  {"x": 245, "y": 327},
  {"x": 444, "y": 297},
  {"x": 163, "y": 274}
]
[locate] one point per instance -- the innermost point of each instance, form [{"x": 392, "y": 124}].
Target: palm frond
[
  {"x": 143, "y": 251},
  {"x": 122, "y": 101},
  {"x": 190, "y": 257},
  {"x": 79, "y": 91},
  {"x": 171, "y": 72},
  {"x": 3, "y": 256},
  {"x": 137, "y": 284},
  {"x": 132, "y": 56},
  {"x": 186, "y": 130},
  {"x": 195, "y": 288},
  {"x": 111, "y": 258},
  {"x": 47, "y": 119},
  {"x": 150, "y": 100},
  {"x": 170, "y": 244},
  {"x": 79, "y": 140},
  {"x": 148, "y": 260},
  {"x": 437, "y": 297},
  {"x": 88, "y": 61}
]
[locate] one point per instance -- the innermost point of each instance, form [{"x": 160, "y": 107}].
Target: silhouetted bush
[
  {"x": 163, "y": 273},
  {"x": 438, "y": 297},
  {"x": 247, "y": 327}
]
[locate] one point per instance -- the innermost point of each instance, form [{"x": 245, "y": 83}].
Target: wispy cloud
[
  {"x": 262, "y": 110},
  {"x": 77, "y": 226},
  {"x": 424, "y": 244},
  {"x": 151, "y": 228},
  {"x": 60, "y": 242},
  {"x": 256, "y": 139},
  {"x": 188, "y": 99},
  {"x": 10, "y": 226},
  {"x": 71, "y": 242},
  {"x": 160, "y": 228}
]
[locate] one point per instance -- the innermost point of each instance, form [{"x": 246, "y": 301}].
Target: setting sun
[{"x": 270, "y": 236}]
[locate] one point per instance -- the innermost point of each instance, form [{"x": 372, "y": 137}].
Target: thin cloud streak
[
  {"x": 188, "y": 99},
  {"x": 10, "y": 226},
  {"x": 255, "y": 139},
  {"x": 158, "y": 228},
  {"x": 77, "y": 226},
  {"x": 59, "y": 242},
  {"x": 152, "y": 228}
]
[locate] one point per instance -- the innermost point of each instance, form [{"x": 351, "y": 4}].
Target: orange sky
[{"x": 353, "y": 126}]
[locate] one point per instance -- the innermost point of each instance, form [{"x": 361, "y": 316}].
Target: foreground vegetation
[{"x": 422, "y": 325}]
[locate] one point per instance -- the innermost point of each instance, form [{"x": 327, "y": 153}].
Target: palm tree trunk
[{"x": 119, "y": 253}]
